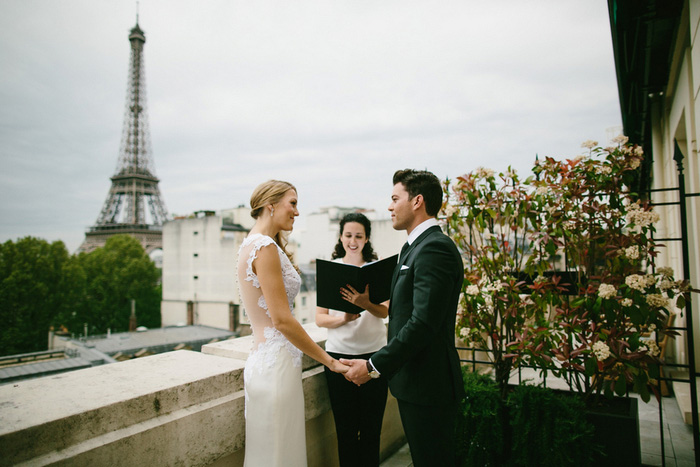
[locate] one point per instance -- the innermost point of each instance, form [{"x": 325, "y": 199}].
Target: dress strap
[{"x": 259, "y": 241}]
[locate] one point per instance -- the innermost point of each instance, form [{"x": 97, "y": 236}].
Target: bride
[{"x": 268, "y": 282}]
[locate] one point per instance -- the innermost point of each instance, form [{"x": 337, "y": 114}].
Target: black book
[{"x": 331, "y": 276}]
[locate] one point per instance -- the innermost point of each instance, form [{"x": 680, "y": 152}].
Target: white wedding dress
[{"x": 274, "y": 399}]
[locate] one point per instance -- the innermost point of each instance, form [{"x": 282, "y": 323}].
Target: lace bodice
[{"x": 267, "y": 340}]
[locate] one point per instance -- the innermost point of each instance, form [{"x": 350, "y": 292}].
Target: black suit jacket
[{"x": 420, "y": 358}]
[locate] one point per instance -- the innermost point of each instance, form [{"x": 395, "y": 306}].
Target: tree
[
  {"x": 35, "y": 287},
  {"x": 114, "y": 275}
]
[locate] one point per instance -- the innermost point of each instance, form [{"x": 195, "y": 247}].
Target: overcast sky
[{"x": 333, "y": 96}]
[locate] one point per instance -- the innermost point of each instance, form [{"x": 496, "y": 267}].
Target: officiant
[{"x": 357, "y": 410}]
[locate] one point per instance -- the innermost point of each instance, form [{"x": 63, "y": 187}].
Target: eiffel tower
[{"x": 134, "y": 185}]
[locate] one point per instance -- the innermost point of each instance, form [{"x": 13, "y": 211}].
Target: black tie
[{"x": 403, "y": 250}]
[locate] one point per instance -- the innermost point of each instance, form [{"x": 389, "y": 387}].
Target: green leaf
[
  {"x": 680, "y": 301},
  {"x": 591, "y": 366},
  {"x": 621, "y": 386},
  {"x": 654, "y": 371}
]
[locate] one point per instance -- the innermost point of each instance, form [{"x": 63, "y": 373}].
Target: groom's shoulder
[{"x": 436, "y": 238}]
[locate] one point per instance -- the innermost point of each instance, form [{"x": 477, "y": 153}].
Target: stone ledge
[
  {"x": 53, "y": 413},
  {"x": 240, "y": 347}
]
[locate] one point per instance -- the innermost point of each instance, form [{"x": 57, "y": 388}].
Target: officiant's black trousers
[{"x": 358, "y": 414}]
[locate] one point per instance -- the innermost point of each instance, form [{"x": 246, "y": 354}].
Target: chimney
[{"x": 132, "y": 318}]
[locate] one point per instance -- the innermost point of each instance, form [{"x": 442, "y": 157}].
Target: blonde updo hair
[{"x": 270, "y": 192}]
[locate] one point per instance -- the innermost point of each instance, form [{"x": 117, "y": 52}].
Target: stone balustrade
[{"x": 177, "y": 408}]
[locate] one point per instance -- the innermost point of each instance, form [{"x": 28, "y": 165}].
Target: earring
[{"x": 272, "y": 211}]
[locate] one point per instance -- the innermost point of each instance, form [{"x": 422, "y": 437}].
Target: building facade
[
  {"x": 659, "y": 88},
  {"x": 199, "y": 267}
]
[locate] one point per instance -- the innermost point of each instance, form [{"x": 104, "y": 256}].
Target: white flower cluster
[
  {"x": 483, "y": 172},
  {"x": 657, "y": 300},
  {"x": 635, "y": 281},
  {"x": 472, "y": 289},
  {"x": 639, "y": 217},
  {"x": 651, "y": 347},
  {"x": 589, "y": 144},
  {"x": 603, "y": 169},
  {"x": 451, "y": 209},
  {"x": 494, "y": 286},
  {"x": 630, "y": 252},
  {"x": 665, "y": 271},
  {"x": 601, "y": 350},
  {"x": 639, "y": 282},
  {"x": 464, "y": 332},
  {"x": 607, "y": 291},
  {"x": 634, "y": 163},
  {"x": 542, "y": 190},
  {"x": 540, "y": 279},
  {"x": 620, "y": 139},
  {"x": 626, "y": 302},
  {"x": 665, "y": 284}
]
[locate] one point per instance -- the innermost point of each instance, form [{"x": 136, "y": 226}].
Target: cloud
[{"x": 332, "y": 96}]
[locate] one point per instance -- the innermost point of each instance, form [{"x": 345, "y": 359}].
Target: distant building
[
  {"x": 318, "y": 238},
  {"x": 199, "y": 269}
]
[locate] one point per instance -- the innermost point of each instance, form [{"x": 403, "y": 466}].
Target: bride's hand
[{"x": 338, "y": 367}]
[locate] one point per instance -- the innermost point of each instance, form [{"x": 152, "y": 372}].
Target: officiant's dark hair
[
  {"x": 368, "y": 253},
  {"x": 422, "y": 182}
]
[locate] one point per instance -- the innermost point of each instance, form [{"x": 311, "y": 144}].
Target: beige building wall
[
  {"x": 675, "y": 120},
  {"x": 199, "y": 266}
]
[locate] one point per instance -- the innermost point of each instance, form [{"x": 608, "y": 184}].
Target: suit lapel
[{"x": 407, "y": 253}]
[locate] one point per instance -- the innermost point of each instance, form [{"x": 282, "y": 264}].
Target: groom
[{"x": 420, "y": 359}]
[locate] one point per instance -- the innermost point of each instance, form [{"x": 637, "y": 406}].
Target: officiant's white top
[{"x": 366, "y": 334}]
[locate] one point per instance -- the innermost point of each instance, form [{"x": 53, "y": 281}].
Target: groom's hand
[{"x": 357, "y": 373}]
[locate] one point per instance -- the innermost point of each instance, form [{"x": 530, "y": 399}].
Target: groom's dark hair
[{"x": 422, "y": 182}]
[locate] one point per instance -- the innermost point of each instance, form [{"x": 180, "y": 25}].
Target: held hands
[
  {"x": 356, "y": 298},
  {"x": 357, "y": 373},
  {"x": 338, "y": 367}
]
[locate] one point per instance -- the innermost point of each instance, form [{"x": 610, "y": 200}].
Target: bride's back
[{"x": 249, "y": 285}]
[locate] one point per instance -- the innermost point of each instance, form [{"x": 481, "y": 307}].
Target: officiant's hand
[
  {"x": 357, "y": 373},
  {"x": 356, "y": 298},
  {"x": 349, "y": 317}
]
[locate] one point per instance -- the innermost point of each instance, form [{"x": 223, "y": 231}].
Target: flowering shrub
[{"x": 560, "y": 270}]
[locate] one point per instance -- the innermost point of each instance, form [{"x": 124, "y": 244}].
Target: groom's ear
[{"x": 418, "y": 202}]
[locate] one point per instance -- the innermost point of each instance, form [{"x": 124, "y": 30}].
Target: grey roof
[
  {"x": 98, "y": 350},
  {"x": 158, "y": 339},
  {"x": 85, "y": 358}
]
